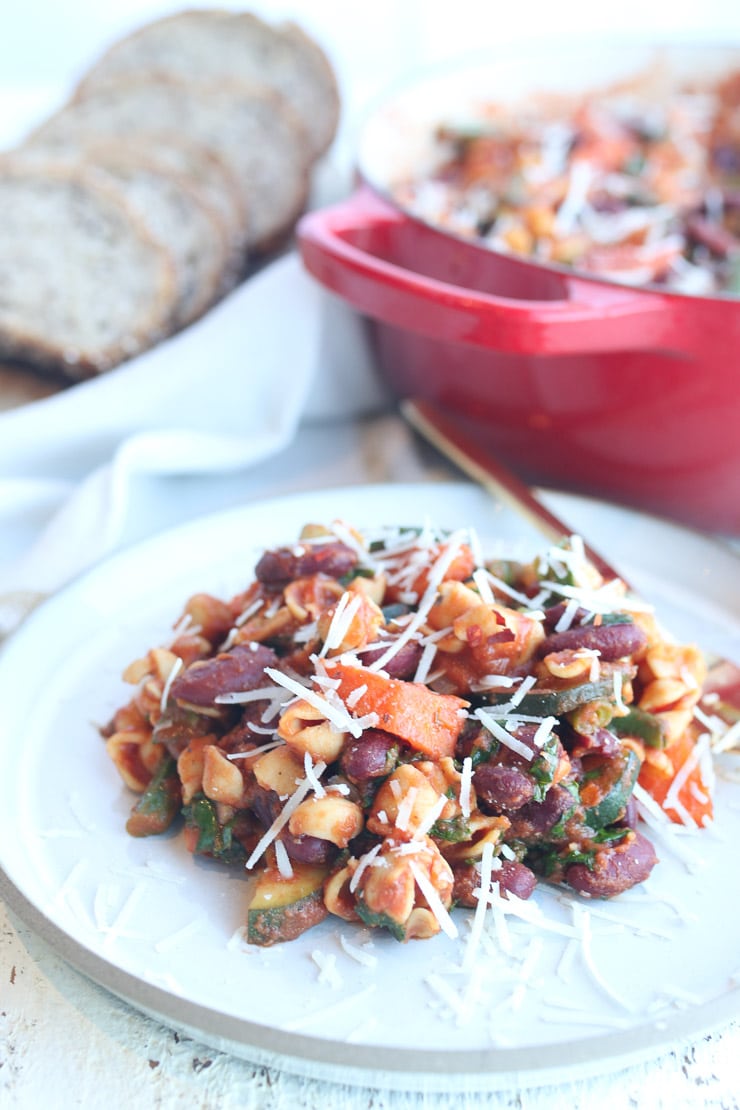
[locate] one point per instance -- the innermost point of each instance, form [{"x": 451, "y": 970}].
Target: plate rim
[{"x": 315, "y": 1057}]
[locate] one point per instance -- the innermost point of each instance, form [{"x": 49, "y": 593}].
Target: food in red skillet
[
  {"x": 384, "y": 725},
  {"x": 638, "y": 190}
]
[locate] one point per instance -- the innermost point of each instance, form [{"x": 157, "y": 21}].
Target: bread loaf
[
  {"x": 84, "y": 283},
  {"x": 249, "y": 128},
  {"x": 183, "y": 157},
  {"x": 177, "y": 216},
  {"x": 210, "y": 45}
]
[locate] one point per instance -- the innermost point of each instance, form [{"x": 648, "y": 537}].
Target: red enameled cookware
[{"x": 577, "y": 382}]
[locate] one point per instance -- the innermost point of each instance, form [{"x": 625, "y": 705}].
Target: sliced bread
[
  {"x": 186, "y": 160},
  {"x": 173, "y": 210},
  {"x": 177, "y": 216},
  {"x": 83, "y": 283},
  {"x": 213, "y": 45},
  {"x": 205, "y": 171},
  {"x": 249, "y": 127}
]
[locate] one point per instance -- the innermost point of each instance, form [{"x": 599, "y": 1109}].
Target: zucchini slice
[
  {"x": 374, "y": 920},
  {"x": 283, "y": 908},
  {"x": 642, "y": 725},
  {"x": 608, "y": 786},
  {"x": 160, "y": 803},
  {"x": 546, "y": 701}
]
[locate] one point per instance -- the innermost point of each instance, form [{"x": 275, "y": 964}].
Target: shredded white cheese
[
  {"x": 364, "y": 862},
  {"x": 174, "y": 672},
  {"x": 568, "y": 615},
  {"x": 471, "y": 949},
  {"x": 672, "y": 798},
  {"x": 482, "y": 579},
  {"x": 434, "y": 901},
  {"x": 504, "y": 588},
  {"x": 335, "y": 712},
  {"x": 312, "y": 777},
  {"x": 430, "y": 818},
  {"x": 501, "y": 734},
  {"x": 248, "y": 612},
  {"x": 424, "y": 666},
  {"x": 544, "y": 731},
  {"x": 357, "y": 695},
  {"x": 243, "y": 697},
  {"x": 519, "y": 694},
  {"x": 583, "y": 919},
  {"x": 256, "y": 751},
  {"x": 344, "y": 613},
  {"x": 405, "y": 808},
  {"x": 466, "y": 778},
  {"x": 358, "y": 953},
  {"x": 304, "y": 788},
  {"x": 619, "y": 701},
  {"x": 326, "y": 962},
  {"x": 436, "y": 577}
]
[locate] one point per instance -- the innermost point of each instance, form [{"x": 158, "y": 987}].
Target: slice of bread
[
  {"x": 175, "y": 216},
  {"x": 205, "y": 171},
  {"x": 250, "y": 128},
  {"x": 173, "y": 210},
  {"x": 84, "y": 284},
  {"x": 212, "y": 45},
  {"x": 187, "y": 161}
]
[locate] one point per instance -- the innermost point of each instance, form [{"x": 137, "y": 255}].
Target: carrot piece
[
  {"x": 427, "y": 721},
  {"x": 659, "y": 771}
]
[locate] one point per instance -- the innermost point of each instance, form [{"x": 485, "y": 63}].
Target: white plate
[{"x": 161, "y": 930}]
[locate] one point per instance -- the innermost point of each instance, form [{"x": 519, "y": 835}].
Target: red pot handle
[{"x": 594, "y": 317}]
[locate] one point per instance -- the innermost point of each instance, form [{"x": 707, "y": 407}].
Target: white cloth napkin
[{"x": 224, "y": 395}]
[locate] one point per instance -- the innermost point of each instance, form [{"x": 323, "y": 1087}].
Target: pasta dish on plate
[{"x": 386, "y": 725}]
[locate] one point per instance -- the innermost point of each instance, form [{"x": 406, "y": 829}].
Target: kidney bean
[
  {"x": 472, "y": 738},
  {"x": 242, "y": 668},
  {"x": 553, "y": 613},
  {"x": 716, "y": 238},
  {"x": 726, "y": 157},
  {"x": 402, "y": 665},
  {"x": 525, "y": 734},
  {"x": 283, "y": 564},
  {"x": 265, "y": 804},
  {"x": 537, "y": 818},
  {"x": 613, "y": 641},
  {"x": 242, "y": 737},
  {"x": 512, "y": 877},
  {"x": 615, "y": 869},
  {"x": 502, "y": 789},
  {"x": 731, "y": 197},
  {"x": 308, "y": 849},
  {"x": 369, "y": 756}
]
